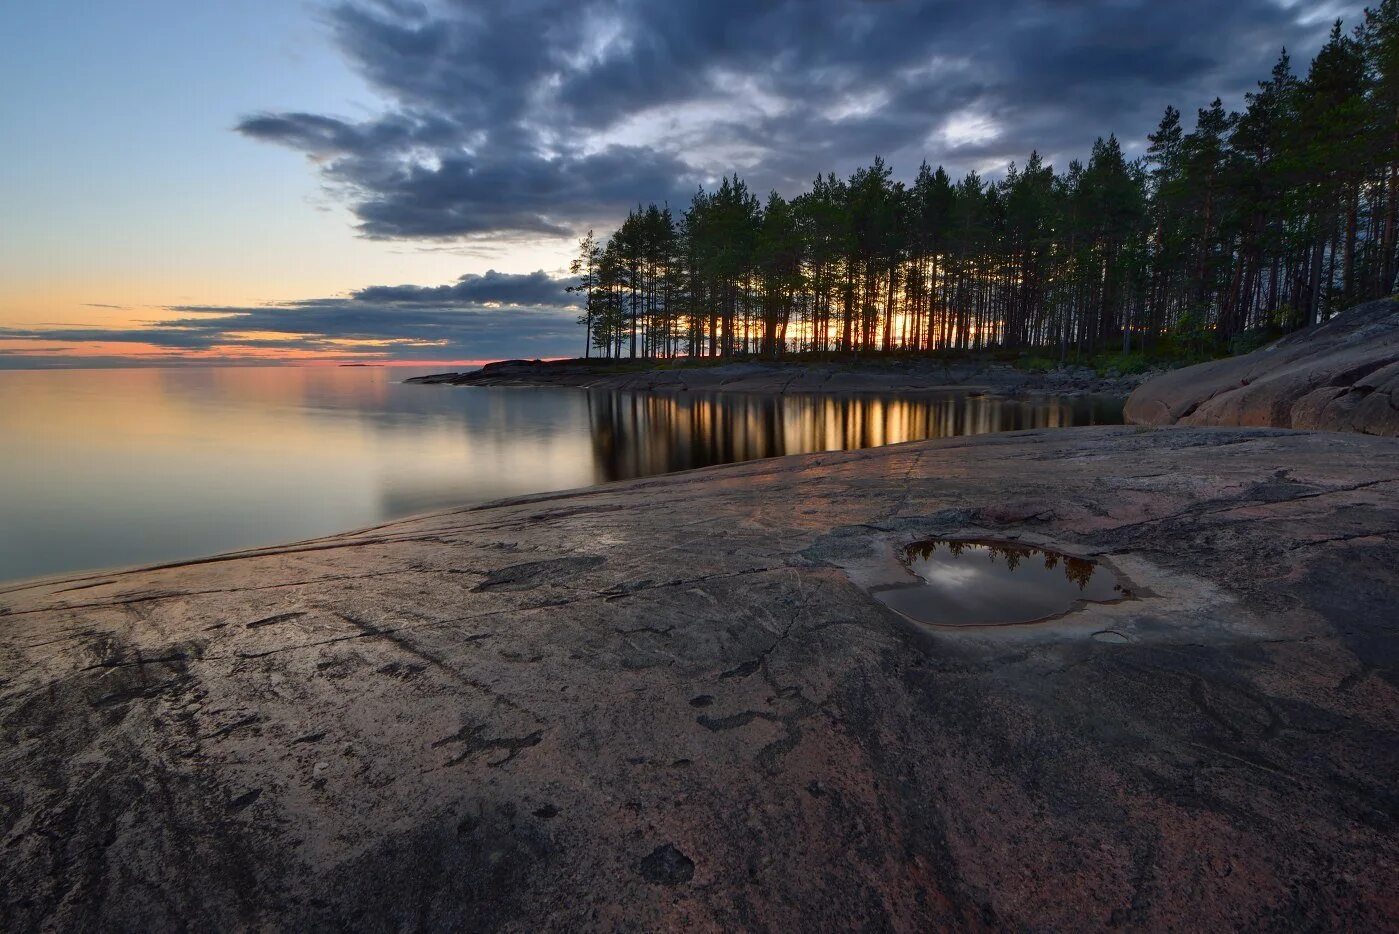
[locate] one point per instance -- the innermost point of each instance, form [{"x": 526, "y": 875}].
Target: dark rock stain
[
  {"x": 534, "y": 574},
  {"x": 472, "y": 741},
  {"x": 274, "y": 620},
  {"x": 665, "y": 865}
]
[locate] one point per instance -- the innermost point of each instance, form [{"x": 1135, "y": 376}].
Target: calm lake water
[{"x": 108, "y": 468}]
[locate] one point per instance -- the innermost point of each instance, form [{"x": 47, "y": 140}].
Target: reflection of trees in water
[
  {"x": 1077, "y": 570},
  {"x": 639, "y": 434}
]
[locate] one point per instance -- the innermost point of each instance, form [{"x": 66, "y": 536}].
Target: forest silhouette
[{"x": 1248, "y": 225}]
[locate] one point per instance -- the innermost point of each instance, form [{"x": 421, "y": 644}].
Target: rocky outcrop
[
  {"x": 1339, "y": 376},
  {"x": 898, "y": 375},
  {"x": 673, "y": 704}
]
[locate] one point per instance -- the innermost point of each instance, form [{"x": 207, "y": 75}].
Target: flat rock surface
[
  {"x": 901, "y": 375},
  {"x": 1342, "y": 375},
  {"x": 672, "y": 703}
]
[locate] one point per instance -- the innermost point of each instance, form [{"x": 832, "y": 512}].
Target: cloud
[
  {"x": 480, "y": 317},
  {"x": 540, "y": 117},
  {"x": 488, "y": 288}
]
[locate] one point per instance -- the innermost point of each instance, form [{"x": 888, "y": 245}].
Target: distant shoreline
[{"x": 883, "y": 375}]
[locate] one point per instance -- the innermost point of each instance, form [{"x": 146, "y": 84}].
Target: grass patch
[
  {"x": 1033, "y": 364},
  {"x": 1109, "y": 365}
]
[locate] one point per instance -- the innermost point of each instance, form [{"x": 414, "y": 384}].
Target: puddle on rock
[{"x": 970, "y": 583}]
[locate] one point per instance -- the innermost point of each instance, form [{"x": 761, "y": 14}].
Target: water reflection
[
  {"x": 102, "y": 468},
  {"x": 995, "y": 583},
  {"x": 638, "y": 434}
]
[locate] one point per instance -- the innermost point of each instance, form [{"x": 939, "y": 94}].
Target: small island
[
  {"x": 1342, "y": 375},
  {"x": 797, "y": 375}
]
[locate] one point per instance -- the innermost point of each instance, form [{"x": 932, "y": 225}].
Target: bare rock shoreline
[
  {"x": 895, "y": 376},
  {"x": 671, "y": 704},
  {"x": 1342, "y": 375}
]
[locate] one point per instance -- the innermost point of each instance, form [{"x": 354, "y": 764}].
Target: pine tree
[{"x": 585, "y": 266}]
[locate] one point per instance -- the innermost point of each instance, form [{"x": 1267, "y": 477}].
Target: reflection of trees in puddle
[
  {"x": 1077, "y": 570},
  {"x": 995, "y": 583},
  {"x": 641, "y": 434}
]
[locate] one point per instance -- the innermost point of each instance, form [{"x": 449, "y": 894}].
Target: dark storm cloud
[
  {"x": 520, "y": 192},
  {"x": 540, "y": 116},
  {"x": 479, "y": 317},
  {"x": 490, "y": 287},
  {"x": 173, "y": 337}
]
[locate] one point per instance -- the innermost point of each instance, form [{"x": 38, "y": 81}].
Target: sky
[{"x": 306, "y": 181}]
